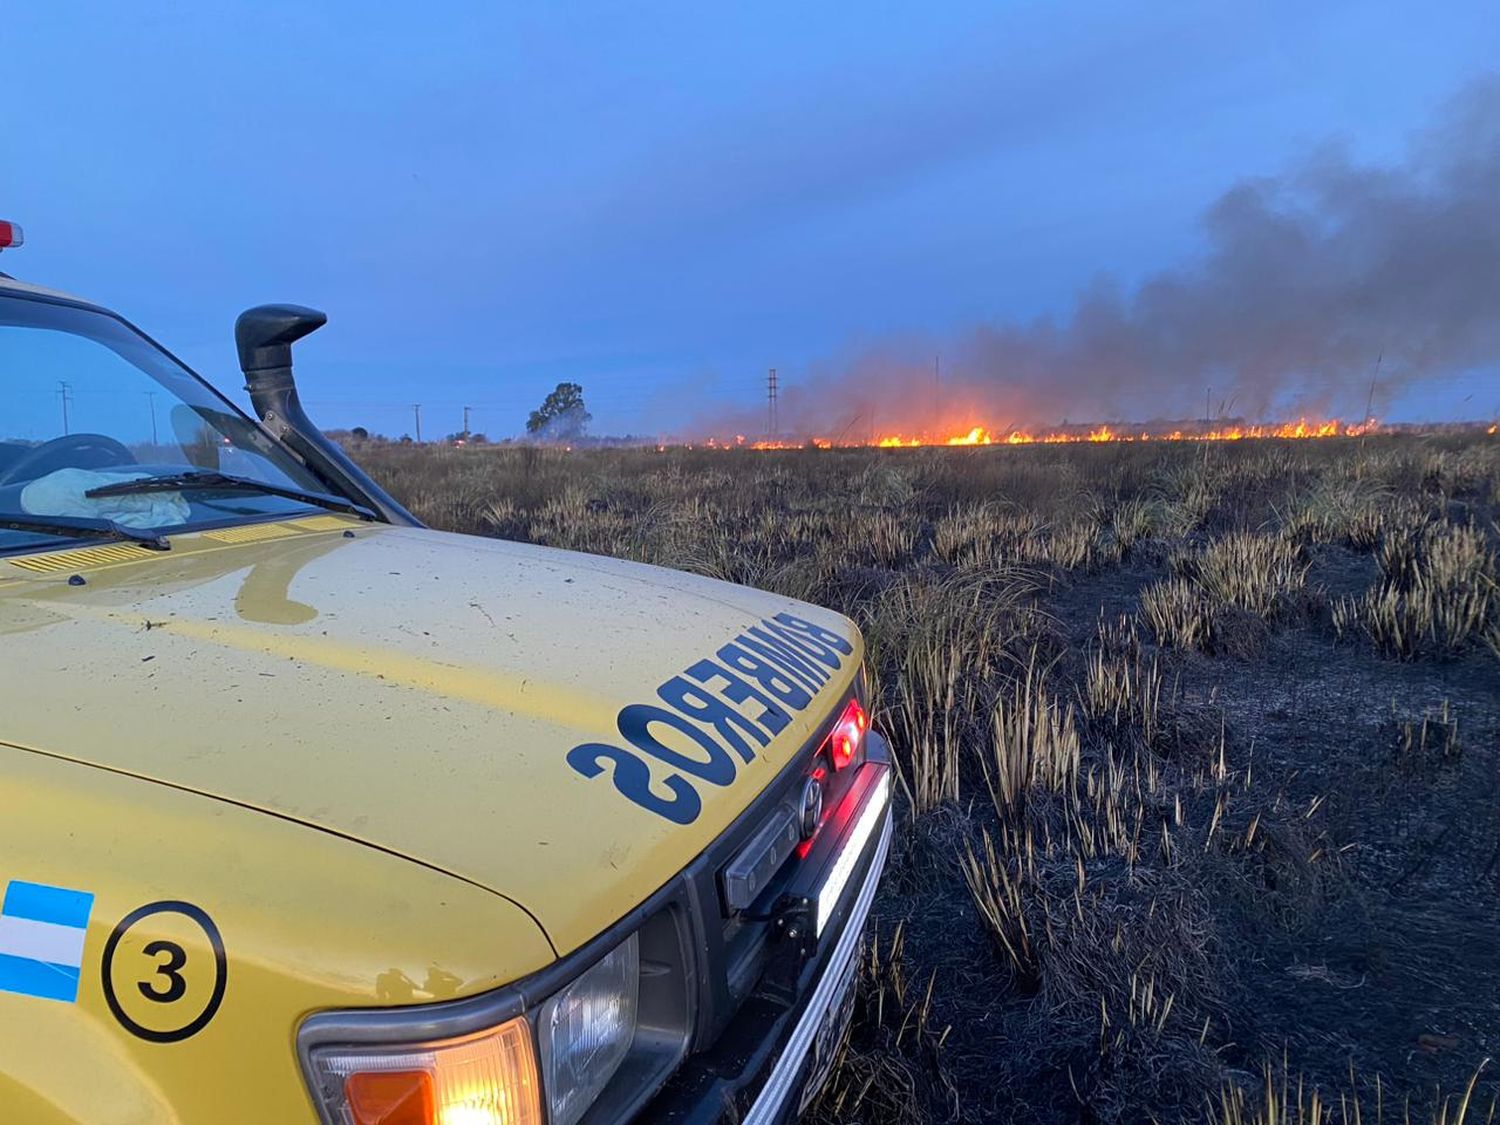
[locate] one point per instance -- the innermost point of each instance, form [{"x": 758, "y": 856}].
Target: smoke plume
[{"x": 1312, "y": 282}]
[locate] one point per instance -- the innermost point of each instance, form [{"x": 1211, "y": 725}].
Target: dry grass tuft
[
  {"x": 1179, "y": 614},
  {"x": 1426, "y": 742},
  {"x": 995, "y": 885},
  {"x": 1350, "y": 511},
  {"x": 1226, "y": 593},
  {"x": 1034, "y": 745},
  {"x": 1436, "y": 596},
  {"x": 942, "y": 646},
  {"x": 1282, "y": 1099},
  {"x": 1122, "y": 688},
  {"x": 1256, "y": 573},
  {"x": 889, "y": 1065}
]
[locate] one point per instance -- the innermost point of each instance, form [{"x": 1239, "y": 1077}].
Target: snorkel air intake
[{"x": 264, "y": 337}]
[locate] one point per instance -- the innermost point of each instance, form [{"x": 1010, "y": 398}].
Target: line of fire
[{"x": 982, "y": 435}]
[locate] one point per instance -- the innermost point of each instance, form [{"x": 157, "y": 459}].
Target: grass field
[{"x": 1199, "y": 752}]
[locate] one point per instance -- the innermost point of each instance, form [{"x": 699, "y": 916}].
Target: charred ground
[{"x": 1200, "y": 802}]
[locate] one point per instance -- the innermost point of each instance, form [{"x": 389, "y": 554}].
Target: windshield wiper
[
  {"x": 85, "y": 529},
  {"x": 223, "y": 482}
]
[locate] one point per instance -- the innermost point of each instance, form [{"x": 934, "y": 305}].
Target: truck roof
[{"x": 9, "y": 284}]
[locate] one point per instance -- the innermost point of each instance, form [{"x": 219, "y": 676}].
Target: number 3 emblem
[
  {"x": 176, "y": 959},
  {"x": 164, "y": 971}
]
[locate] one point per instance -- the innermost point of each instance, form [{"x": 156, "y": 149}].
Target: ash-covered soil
[
  {"x": 1384, "y": 961},
  {"x": 1371, "y": 946}
]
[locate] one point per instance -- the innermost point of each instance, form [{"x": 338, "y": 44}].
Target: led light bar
[{"x": 870, "y": 819}]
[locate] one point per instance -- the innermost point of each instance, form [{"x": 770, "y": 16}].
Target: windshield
[{"x": 87, "y": 402}]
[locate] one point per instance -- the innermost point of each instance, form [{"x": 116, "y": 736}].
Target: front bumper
[
  {"x": 783, "y": 1089},
  {"x": 757, "y": 1067},
  {"x": 734, "y": 1007}
]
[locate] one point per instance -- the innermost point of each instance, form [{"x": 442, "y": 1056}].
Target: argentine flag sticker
[{"x": 41, "y": 939}]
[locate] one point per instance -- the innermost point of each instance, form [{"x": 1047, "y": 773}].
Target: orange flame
[{"x": 981, "y": 435}]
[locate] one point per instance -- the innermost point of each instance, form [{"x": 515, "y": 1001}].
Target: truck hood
[{"x": 416, "y": 691}]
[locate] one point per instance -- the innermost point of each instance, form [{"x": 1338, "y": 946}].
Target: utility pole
[
  {"x": 1207, "y": 425},
  {"x": 1370, "y": 402},
  {"x": 151, "y": 400},
  {"x": 1364, "y": 431},
  {"x": 64, "y": 392},
  {"x": 416, "y": 409},
  {"x": 937, "y": 386},
  {"x": 772, "y": 428},
  {"x": 466, "y": 424}
]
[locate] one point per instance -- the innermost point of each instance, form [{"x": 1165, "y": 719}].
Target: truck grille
[{"x": 755, "y": 860}]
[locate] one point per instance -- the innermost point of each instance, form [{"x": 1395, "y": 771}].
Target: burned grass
[{"x": 1197, "y": 748}]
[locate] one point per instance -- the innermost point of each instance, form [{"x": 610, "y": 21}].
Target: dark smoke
[{"x": 1313, "y": 281}]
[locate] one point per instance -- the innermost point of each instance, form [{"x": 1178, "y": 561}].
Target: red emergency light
[
  {"x": 10, "y": 235},
  {"x": 848, "y": 734}
]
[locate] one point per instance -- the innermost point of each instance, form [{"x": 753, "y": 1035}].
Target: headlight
[
  {"x": 585, "y": 1031},
  {"x": 484, "y": 1079},
  {"x": 491, "y": 1078}
]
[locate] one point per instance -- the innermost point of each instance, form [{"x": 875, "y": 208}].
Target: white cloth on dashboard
[{"x": 62, "y": 494}]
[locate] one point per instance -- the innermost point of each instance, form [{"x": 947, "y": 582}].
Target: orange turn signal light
[
  {"x": 488, "y": 1078},
  {"x": 390, "y": 1097}
]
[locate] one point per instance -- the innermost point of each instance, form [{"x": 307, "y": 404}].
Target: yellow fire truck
[{"x": 314, "y": 814}]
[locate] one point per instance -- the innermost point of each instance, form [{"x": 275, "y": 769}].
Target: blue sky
[{"x": 661, "y": 201}]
